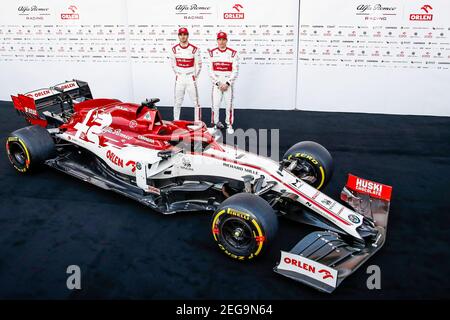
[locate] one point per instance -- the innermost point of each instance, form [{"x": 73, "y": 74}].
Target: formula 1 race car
[{"x": 174, "y": 166}]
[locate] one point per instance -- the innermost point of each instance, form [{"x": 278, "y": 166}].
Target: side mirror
[{"x": 150, "y": 103}]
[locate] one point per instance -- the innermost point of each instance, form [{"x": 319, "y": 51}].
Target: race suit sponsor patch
[
  {"x": 308, "y": 267},
  {"x": 185, "y": 62},
  {"x": 222, "y": 66}
]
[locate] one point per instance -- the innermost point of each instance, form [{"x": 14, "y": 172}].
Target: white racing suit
[
  {"x": 223, "y": 68},
  {"x": 186, "y": 63}
]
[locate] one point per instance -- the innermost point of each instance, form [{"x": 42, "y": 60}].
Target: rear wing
[
  {"x": 324, "y": 259},
  {"x": 33, "y": 104}
]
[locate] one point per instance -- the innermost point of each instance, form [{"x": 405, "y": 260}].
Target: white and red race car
[{"x": 174, "y": 166}]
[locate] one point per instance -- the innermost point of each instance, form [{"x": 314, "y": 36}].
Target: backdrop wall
[
  {"x": 375, "y": 56},
  {"x": 313, "y": 55}
]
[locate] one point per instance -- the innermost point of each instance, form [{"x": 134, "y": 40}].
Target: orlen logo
[
  {"x": 235, "y": 15},
  {"x": 67, "y": 86},
  {"x": 369, "y": 187},
  {"x": 132, "y": 164},
  {"x": 427, "y": 16},
  {"x": 326, "y": 274},
  {"x": 39, "y": 94},
  {"x": 71, "y": 16},
  {"x": 111, "y": 156},
  {"x": 309, "y": 268}
]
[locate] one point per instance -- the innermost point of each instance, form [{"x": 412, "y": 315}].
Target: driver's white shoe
[{"x": 230, "y": 130}]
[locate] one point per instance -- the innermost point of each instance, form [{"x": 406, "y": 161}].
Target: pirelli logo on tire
[
  {"x": 239, "y": 214},
  {"x": 231, "y": 255}
]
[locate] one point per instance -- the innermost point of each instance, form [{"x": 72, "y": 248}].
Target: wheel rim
[
  {"x": 237, "y": 235},
  {"x": 18, "y": 154}
]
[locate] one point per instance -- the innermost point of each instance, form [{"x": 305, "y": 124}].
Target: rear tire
[
  {"x": 28, "y": 148},
  {"x": 243, "y": 225},
  {"x": 315, "y": 158}
]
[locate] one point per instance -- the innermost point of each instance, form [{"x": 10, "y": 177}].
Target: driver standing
[
  {"x": 186, "y": 64},
  {"x": 223, "y": 69}
]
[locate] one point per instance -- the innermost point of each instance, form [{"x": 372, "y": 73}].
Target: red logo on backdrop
[
  {"x": 427, "y": 16},
  {"x": 235, "y": 15},
  {"x": 73, "y": 15}
]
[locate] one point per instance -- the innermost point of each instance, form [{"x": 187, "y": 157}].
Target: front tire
[
  {"x": 28, "y": 148},
  {"x": 243, "y": 225}
]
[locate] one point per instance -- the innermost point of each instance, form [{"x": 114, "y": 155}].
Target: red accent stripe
[
  {"x": 286, "y": 185},
  {"x": 197, "y": 102},
  {"x": 212, "y": 105},
  {"x": 231, "y": 106}
]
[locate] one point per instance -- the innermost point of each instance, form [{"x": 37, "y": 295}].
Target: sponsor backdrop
[
  {"x": 121, "y": 47},
  {"x": 374, "y": 56}
]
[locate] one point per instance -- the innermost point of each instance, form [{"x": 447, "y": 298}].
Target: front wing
[{"x": 324, "y": 259}]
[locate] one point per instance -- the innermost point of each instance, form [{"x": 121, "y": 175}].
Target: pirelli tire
[
  {"x": 315, "y": 158},
  {"x": 243, "y": 226},
  {"x": 28, "y": 148}
]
